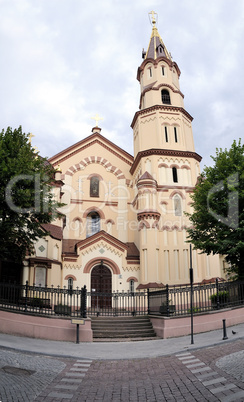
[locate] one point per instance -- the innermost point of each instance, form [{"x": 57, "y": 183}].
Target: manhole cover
[{"x": 17, "y": 370}]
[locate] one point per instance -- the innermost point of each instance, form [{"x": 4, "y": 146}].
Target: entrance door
[{"x": 101, "y": 286}]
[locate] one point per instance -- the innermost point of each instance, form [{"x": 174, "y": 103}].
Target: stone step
[
  {"x": 127, "y": 339},
  {"x": 105, "y": 324},
  {"x": 120, "y": 318},
  {"x": 122, "y": 327},
  {"x": 114, "y": 334}
]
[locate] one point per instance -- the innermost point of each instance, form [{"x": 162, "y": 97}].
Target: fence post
[
  {"x": 217, "y": 290},
  {"x": 167, "y": 300},
  {"x": 26, "y": 292},
  {"x": 84, "y": 301},
  {"x": 148, "y": 301}
]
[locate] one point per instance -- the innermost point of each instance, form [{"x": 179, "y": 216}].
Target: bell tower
[
  {"x": 162, "y": 121},
  {"x": 165, "y": 168}
]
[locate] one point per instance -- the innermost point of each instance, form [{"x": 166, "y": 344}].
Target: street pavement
[{"x": 210, "y": 369}]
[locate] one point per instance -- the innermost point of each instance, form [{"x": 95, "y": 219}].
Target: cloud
[{"x": 63, "y": 61}]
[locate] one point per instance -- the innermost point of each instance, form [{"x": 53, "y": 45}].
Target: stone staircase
[{"x": 122, "y": 328}]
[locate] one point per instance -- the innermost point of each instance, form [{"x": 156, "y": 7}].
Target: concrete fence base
[
  {"x": 170, "y": 327},
  {"x": 61, "y": 329},
  {"x": 51, "y": 328}
]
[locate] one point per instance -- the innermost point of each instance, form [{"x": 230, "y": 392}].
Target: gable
[{"x": 86, "y": 146}]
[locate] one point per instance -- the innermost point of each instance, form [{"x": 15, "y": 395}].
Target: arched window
[
  {"x": 175, "y": 176},
  {"x": 132, "y": 286},
  {"x": 165, "y": 96},
  {"x": 177, "y": 205},
  {"x": 92, "y": 223},
  {"x": 70, "y": 285},
  {"x": 94, "y": 186}
]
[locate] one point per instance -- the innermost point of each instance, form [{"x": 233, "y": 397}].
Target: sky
[{"x": 64, "y": 61}]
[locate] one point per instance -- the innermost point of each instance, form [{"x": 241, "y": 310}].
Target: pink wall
[
  {"x": 61, "y": 329},
  {"x": 169, "y": 327},
  {"x": 58, "y": 329}
]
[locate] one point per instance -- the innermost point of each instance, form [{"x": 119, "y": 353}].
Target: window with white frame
[
  {"x": 177, "y": 205},
  {"x": 40, "y": 276},
  {"x": 92, "y": 223}
]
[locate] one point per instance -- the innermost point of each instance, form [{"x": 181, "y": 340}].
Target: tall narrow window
[
  {"x": 40, "y": 276},
  {"x": 177, "y": 205},
  {"x": 92, "y": 223},
  {"x": 132, "y": 286},
  {"x": 175, "y": 176},
  {"x": 165, "y": 96},
  {"x": 94, "y": 186},
  {"x": 166, "y": 134},
  {"x": 163, "y": 71},
  {"x": 176, "y": 135},
  {"x": 70, "y": 285},
  {"x": 150, "y": 72}
]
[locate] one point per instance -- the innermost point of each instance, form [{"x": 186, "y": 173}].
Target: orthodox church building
[{"x": 123, "y": 225}]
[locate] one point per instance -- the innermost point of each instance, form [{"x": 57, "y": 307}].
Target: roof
[
  {"x": 151, "y": 285},
  {"x": 132, "y": 252},
  {"x": 54, "y": 231},
  {"x": 70, "y": 245},
  {"x": 96, "y": 137},
  {"x": 146, "y": 175},
  {"x": 156, "y": 47}
]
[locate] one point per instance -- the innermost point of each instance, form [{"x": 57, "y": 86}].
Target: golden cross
[
  {"x": 97, "y": 118},
  {"x": 30, "y": 135},
  {"x": 153, "y": 17}
]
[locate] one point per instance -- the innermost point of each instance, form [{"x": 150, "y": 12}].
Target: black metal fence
[
  {"x": 169, "y": 301},
  {"x": 117, "y": 303},
  {"x": 43, "y": 300},
  {"x": 176, "y": 300}
]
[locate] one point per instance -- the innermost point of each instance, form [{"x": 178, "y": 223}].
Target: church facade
[{"x": 124, "y": 225}]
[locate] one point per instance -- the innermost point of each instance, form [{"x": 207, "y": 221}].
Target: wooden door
[{"x": 101, "y": 286}]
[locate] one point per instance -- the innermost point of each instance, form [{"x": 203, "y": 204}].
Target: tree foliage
[
  {"x": 218, "y": 205},
  {"x": 26, "y": 199}
]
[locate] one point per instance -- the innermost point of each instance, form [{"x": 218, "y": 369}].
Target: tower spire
[{"x": 156, "y": 47}]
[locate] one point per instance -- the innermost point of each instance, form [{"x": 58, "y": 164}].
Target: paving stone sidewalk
[{"x": 207, "y": 374}]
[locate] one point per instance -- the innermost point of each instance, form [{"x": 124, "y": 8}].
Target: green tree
[
  {"x": 218, "y": 205},
  {"x": 26, "y": 199}
]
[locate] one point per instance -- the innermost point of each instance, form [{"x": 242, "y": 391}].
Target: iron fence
[
  {"x": 117, "y": 303},
  {"x": 176, "y": 300},
  {"x": 169, "y": 301},
  {"x": 43, "y": 300}
]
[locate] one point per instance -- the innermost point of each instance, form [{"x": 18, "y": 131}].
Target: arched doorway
[{"x": 101, "y": 286}]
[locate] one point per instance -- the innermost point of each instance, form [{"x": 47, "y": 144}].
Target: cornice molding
[
  {"x": 160, "y": 107},
  {"x": 148, "y": 214},
  {"x": 163, "y": 152}
]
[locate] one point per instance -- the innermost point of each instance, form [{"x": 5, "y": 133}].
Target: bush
[{"x": 223, "y": 297}]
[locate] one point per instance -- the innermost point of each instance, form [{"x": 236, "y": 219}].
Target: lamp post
[{"x": 191, "y": 282}]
